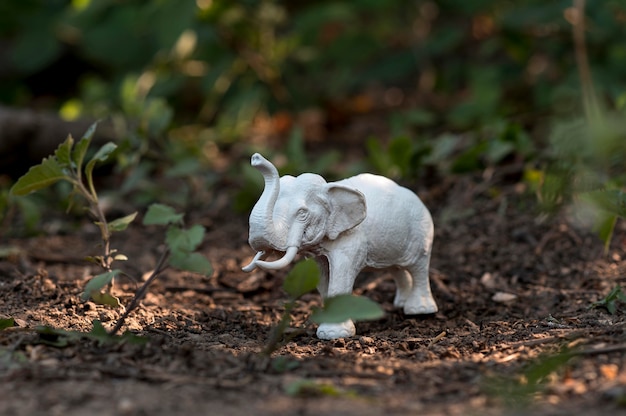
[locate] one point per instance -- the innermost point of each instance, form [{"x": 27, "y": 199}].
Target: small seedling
[
  {"x": 302, "y": 279},
  {"x": 180, "y": 252},
  {"x": 66, "y": 164},
  {"x": 518, "y": 391},
  {"x": 610, "y": 301},
  {"x": 62, "y": 338}
]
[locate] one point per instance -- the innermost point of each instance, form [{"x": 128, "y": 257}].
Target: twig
[
  {"x": 546, "y": 340},
  {"x": 141, "y": 292},
  {"x": 601, "y": 350},
  {"x": 437, "y": 339}
]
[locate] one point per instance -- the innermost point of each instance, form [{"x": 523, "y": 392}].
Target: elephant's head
[{"x": 295, "y": 214}]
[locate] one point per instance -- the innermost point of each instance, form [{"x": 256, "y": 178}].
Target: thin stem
[
  {"x": 278, "y": 332},
  {"x": 592, "y": 109},
  {"x": 95, "y": 209},
  {"x": 141, "y": 292}
]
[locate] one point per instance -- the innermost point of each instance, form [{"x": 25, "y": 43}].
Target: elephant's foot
[
  {"x": 421, "y": 305},
  {"x": 333, "y": 331},
  {"x": 400, "y": 300}
]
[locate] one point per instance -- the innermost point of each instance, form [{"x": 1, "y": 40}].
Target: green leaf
[
  {"x": 302, "y": 279},
  {"x": 400, "y": 151},
  {"x": 130, "y": 338},
  {"x": 63, "y": 152},
  {"x": 188, "y": 240},
  {"x": 343, "y": 307},
  {"x": 609, "y": 301},
  {"x": 282, "y": 364},
  {"x": 544, "y": 366},
  {"x": 497, "y": 150},
  {"x": 191, "y": 262},
  {"x": 94, "y": 259},
  {"x": 159, "y": 214},
  {"x": 611, "y": 307},
  {"x": 98, "y": 329},
  {"x": 377, "y": 156},
  {"x": 610, "y": 200},
  {"x": 105, "y": 299},
  {"x": 98, "y": 282},
  {"x": 121, "y": 224},
  {"x": 62, "y": 338},
  {"x": 56, "y": 337},
  {"x": 6, "y": 323},
  {"x": 104, "y": 152},
  {"x": 78, "y": 155},
  {"x": 101, "y": 155},
  {"x": 32, "y": 48},
  {"x": 48, "y": 172},
  {"x": 311, "y": 388},
  {"x": 605, "y": 227}
]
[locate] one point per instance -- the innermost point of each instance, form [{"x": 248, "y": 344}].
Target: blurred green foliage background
[
  {"x": 455, "y": 84},
  {"x": 221, "y": 63}
]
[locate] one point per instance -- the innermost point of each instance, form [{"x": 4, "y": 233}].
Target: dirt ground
[{"x": 514, "y": 291}]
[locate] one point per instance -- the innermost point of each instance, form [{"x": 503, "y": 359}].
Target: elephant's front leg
[{"x": 342, "y": 274}]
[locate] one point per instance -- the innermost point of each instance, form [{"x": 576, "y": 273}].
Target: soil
[{"x": 515, "y": 332}]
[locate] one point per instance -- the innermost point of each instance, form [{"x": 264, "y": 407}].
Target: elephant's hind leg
[
  {"x": 420, "y": 301},
  {"x": 404, "y": 284}
]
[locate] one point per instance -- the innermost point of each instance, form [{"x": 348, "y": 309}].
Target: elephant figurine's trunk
[
  {"x": 261, "y": 217},
  {"x": 284, "y": 261},
  {"x": 261, "y": 222}
]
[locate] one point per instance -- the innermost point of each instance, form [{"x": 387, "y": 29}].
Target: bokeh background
[{"x": 416, "y": 90}]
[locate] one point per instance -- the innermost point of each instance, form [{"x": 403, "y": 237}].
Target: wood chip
[{"x": 503, "y": 297}]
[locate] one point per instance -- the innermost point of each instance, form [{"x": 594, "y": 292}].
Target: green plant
[
  {"x": 62, "y": 338},
  {"x": 587, "y": 155},
  {"x": 220, "y": 62},
  {"x": 312, "y": 388},
  {"x": 297, "y": 160},
  {"x": 406, "y": 155},
  {"x": 609, "y": 302},
  {"x": 66, "y": 164},
  {"x": 180, "y": 252},
  {"x": 6, "y": 323},
  {"x": 302, "y": 279},
  {"x": 397, "y": 159},
  {"x": 519, "y": 390}
]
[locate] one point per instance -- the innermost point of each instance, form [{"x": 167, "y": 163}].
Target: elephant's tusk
[
  {"x": 252, "y": 265},
  {"x": 281, "y": 262}
]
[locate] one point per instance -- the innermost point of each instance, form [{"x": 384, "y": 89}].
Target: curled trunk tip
[
  {"x": 252, "y": 265},
  {"x": 258, "y": 160},
  {"x": 285, "y": 260}
]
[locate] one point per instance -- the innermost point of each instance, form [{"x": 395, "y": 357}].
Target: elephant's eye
[{"x": 302, "y": 214}]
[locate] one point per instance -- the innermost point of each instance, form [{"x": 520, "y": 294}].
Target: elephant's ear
[{"x": 347, "y": 209}]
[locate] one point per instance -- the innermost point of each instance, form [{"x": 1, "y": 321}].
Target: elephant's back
[
  {"x": 383, "y": 193},
  {"x": 396, "y": 217}
]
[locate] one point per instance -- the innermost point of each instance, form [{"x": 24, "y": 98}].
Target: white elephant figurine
[{"x": 366, "y": 221}]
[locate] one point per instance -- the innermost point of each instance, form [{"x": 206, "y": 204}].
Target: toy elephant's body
[{"x": 359, "y": 222}]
